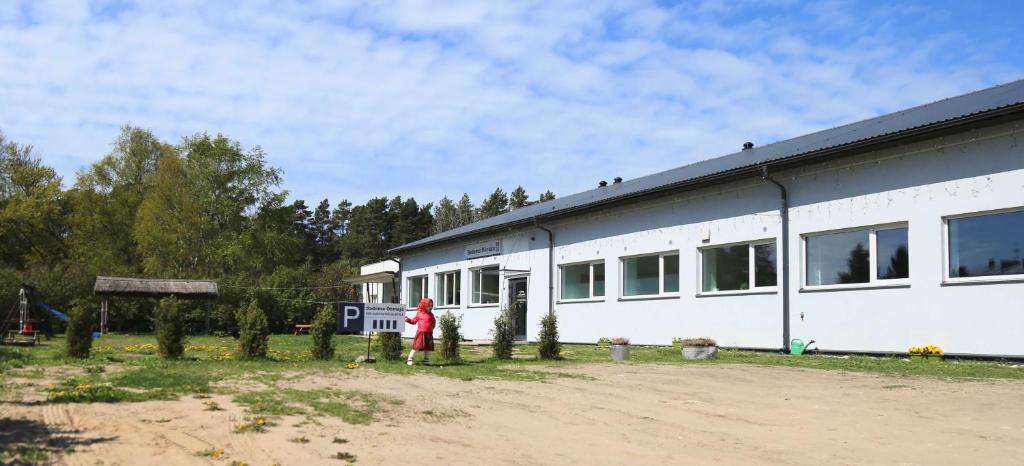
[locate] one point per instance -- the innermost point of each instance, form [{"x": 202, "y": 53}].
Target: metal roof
[
  {"x": 149, "y": 287},
  {"x": 841, "y": 138}
]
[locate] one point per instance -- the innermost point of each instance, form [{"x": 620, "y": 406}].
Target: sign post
[{"x": 370, "y": 317}]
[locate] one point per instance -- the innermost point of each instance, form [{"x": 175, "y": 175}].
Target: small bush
[
  {"x": 390, "y": 345},
  {"x": 549, "y": 347},
  {"x": 619, "y": 341},
  {"x": 170, "y": 328},
  {"x": 504, "y": 334},
  {"x": 254, "y": 332},
  {"x": 450, "y": 337},
  {"x": 80, "y": 325},
  {"x": 702, "y": 341},
  {"x": 324, "y": 324}
]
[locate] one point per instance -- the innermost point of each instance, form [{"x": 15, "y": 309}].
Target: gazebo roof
[{"x": 155, "y": 287}]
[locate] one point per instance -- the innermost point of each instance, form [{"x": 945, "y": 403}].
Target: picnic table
[{"x": 302, "y": 329}]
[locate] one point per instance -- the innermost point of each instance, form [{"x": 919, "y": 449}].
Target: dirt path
[{"x": 640, "y": 414}]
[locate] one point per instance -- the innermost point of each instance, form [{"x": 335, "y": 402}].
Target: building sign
[
  {"x": 371, "y": 317},
  {"x": 492, "y": 248}
]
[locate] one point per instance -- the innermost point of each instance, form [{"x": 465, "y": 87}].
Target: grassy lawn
[{"x": 126, "y": 368}]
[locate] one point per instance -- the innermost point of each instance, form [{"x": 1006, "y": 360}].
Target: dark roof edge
[{"x": 954, "y": 125}]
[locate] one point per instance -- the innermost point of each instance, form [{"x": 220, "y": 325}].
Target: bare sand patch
[{"x": 640, "y": 414}]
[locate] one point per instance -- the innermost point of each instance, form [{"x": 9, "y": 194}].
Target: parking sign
[{"x": 371, "y": 317}]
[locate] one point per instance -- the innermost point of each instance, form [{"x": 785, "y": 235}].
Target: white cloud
[{"x": 357, "y": 100}]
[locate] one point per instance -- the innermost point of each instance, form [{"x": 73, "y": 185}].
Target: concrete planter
[
  {"x": 700, "y": 352},
  {"x": 620, "y": 352}
]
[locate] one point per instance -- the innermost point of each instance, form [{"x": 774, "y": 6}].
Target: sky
[{"x": 431, "y": 98}]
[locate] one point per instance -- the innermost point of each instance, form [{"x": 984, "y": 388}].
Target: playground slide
[{"x": 52, "y": 311}]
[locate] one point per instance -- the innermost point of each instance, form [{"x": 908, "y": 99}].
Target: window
[
  {"x": 650, "y": 275},
  {"x": 989, "y": 245},
  {"x": 485, "y": 286},
  {"x": 735, "y": 267},
  {"x": 862, "y": 256},
  {"x": 582, "y": 281},
  {"x": 417, "y": 290},
  {"x": 449, "y": 288}
]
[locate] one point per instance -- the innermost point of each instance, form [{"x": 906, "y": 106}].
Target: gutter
[
  {"x": 784, "y": 263},
  {"x": 551, "y": 266}
]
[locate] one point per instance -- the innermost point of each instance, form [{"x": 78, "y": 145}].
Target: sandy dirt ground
[{"x": 638, "y": 414}]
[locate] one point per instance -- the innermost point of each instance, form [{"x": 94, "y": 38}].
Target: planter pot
[
  {"x": 700, "y": 352},
  {"x": 620, "y": 352},
  {"x": 926, "y": 357}
]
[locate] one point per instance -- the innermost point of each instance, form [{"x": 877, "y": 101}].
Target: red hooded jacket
[{"x": 424, "y": 319}]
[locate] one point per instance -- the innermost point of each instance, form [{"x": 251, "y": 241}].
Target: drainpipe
[
  {"x": 551, "y": 266},
  {"x": 784, "y": 214}
]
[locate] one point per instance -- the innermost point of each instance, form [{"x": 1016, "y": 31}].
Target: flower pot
[
  {"x": 620, "y": 352},
  {"x": 700, "y": 352},
  {"x": 926, "y": 357}
]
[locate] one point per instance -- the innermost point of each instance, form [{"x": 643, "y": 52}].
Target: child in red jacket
[{"x": 424, "y": 340}]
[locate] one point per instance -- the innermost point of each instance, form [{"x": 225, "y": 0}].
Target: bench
[{"x": 302, "y": 329}]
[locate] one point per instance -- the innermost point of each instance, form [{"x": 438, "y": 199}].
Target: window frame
[
  {"x": 440, "y": 282},
  {"x": 946, "y": 257},
  {"x": 662, "y": 294},
  {"x": 591, "y": 298},
  {"x": 425, "y": 287},
  {"x": 751, "y": 268},
  {"x": 873, "y": 280},
  {"x": 472, "y": 278}
]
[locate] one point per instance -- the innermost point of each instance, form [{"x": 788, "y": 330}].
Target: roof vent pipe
[
  {"x": 602, "y": 184},
  {"x": 748, "y": 145},
  {"x": 617, "y": 180}
]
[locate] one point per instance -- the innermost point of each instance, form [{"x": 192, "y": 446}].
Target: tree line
[{"x": 202, "y": 208}]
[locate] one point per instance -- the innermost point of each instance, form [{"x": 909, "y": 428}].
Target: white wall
[{"x": 918, "y": 184}]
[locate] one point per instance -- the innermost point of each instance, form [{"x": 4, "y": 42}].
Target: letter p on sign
[{"x": 351, "y": 313}]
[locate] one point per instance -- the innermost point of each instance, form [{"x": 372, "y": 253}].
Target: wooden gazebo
[{"x": 154, "y": 288}]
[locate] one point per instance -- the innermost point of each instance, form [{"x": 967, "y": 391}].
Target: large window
[
  {"x": 449, "y": 288},
  {"x": 651, "y": 275},
  {"x": 582, "y": 281},
  {"x": 417, "y": 290},
  {"x": 485, "y": 286},
  {"x": 854, "y": 257},
  {"x": 990, "y": 245},
  {"x": 736, "y": 267}
]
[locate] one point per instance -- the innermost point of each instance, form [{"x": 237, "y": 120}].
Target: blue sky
[{"x": 427, "y": 98}]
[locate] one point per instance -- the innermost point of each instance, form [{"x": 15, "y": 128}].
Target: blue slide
[{"x": 54, "y": 312}]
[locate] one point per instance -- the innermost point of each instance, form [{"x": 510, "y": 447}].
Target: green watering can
[{"x": 797, "y": 346}]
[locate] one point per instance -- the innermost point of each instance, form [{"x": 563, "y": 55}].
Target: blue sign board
[{"x": 371, "y": 317}]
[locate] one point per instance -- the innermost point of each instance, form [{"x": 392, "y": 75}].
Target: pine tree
[
  {"x": 547, "y": 196},
  {"x": 446, "y": 215},
  {"x": 466, "y": 210},
  {"x": 518, "y": 198},
  {"x": 496, "y": 204}
]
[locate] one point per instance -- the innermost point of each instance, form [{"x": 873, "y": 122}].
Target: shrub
[
  {"x": 549, "y": 347},
  {"x": 80, "y": 325},
  {"x": 702, "y": 341},
  {"x": 253, "y": 332},
  {"x": 504, "y": 333},
  {"x": 170, "y": 328},
  {"x": 619, "y": 341},
  {"x": 324, "y": 324},
  {"x": 390, "y": 345},
  {"x": 450, "y": 337}
]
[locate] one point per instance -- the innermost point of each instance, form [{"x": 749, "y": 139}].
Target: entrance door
[{"x": 517, "y": 299}]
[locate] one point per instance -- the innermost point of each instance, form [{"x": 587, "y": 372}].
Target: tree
[
  {"x": 341, "y": 215},
  {"x": 409, "y": 222},
  {"x": 504, "y": 334},
  {"x": 254, "y": 332},
  {"x": 546, "y": 196},
  {"x": 368, "y": 229},
  {"x": 466, "y": 210},
  {"x": 495, "y": 204},
  {"x": 446, "y": 216},
  {"x": 80, "y": 326},
  {"x": 324, "y": 325},
  {"x": 449, "y": 324},
  {"x": 858, "y": 266},
  {"x": 169, "y": 225},
  {"x": 32, "y": 208},
  {"x": 170, "y": 328},
  {"x": 518, "y": 198},
  {"x": 548, "y": 345}
]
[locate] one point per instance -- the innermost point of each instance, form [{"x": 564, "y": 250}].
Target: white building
[
  {"x": 378, "y": 282},
  {"x": 898, "y": 231}
]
